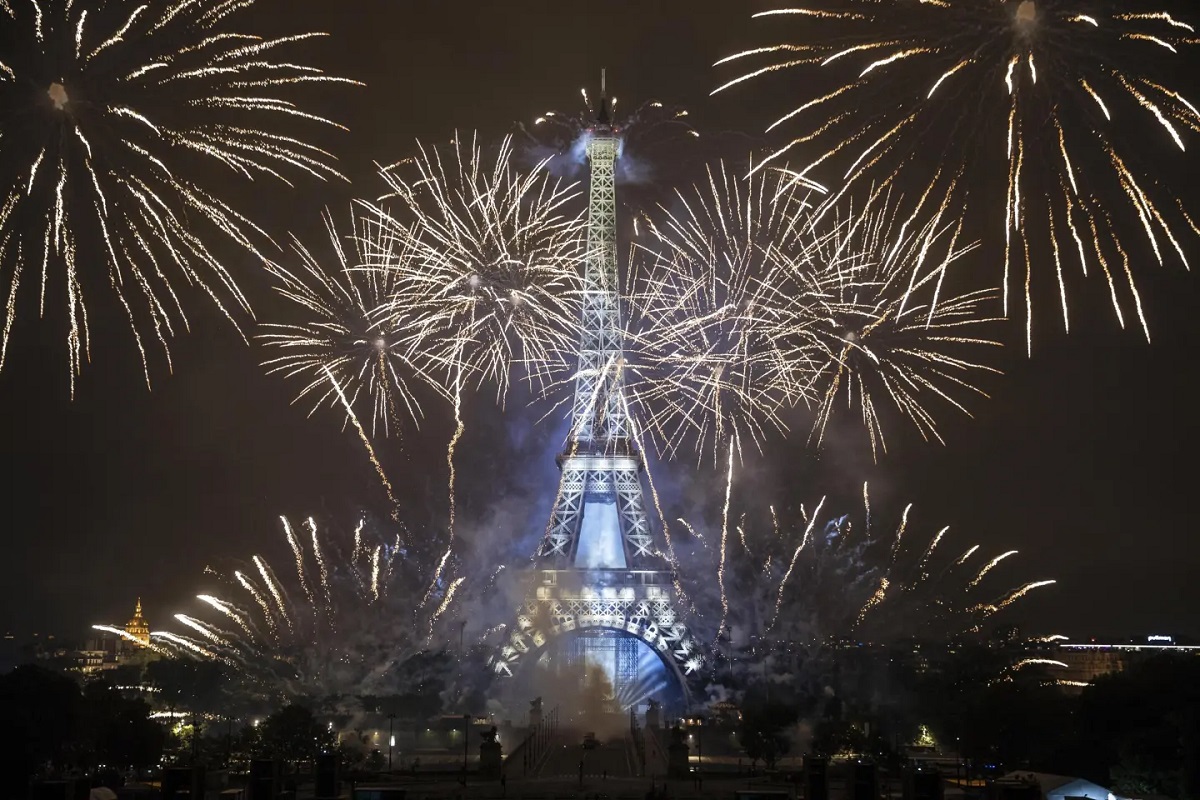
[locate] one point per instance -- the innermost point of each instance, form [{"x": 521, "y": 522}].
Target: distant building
[
  {"x": 108, "y": 651},
  {"x": 1088, "y": 661},
  {"x": 10, "y": 654},
  {"x": 1085, "y": 665},
  {"x": 1006, "y": 635},
  {"x": 137, "y": 627}
]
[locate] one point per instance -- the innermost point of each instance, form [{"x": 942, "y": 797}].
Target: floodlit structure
[{"x": 603, "y": 596}]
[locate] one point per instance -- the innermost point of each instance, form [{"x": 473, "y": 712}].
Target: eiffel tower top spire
[{"x": 602, "y": 117}]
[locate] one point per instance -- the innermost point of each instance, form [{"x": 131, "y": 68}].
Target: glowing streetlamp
[{"x": 391, "y": 738}]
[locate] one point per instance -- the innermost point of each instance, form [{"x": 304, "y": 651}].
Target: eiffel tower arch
[{"x": 602, "y": 590}]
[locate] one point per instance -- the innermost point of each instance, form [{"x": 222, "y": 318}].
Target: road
[{"x": 612, "y": 758}]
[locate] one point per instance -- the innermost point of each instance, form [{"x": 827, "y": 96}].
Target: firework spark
[
  {"x": 115, "y": 128},
  {"x": 751, "y": 301},
  {"x": 1046, "y": 98},
  {"x": 482, "y": 259},
  {"x": 370, "y": 355},
  {"x": 889, "y": 327},
  {"x": 708, "y": 366},
  {"x": 121, "y": 633},
  {"x": 704, "y": 366}
]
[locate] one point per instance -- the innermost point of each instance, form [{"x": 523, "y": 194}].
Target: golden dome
[{"x": 137, "y": 627}]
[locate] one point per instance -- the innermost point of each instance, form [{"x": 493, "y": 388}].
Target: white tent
[{"x": 1063, "y": 787}]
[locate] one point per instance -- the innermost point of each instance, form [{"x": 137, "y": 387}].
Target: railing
[
  {"x": 656, "y": 757},
  {"x": 637, "y": 735},
  {"x": 527, "y": 756},
  {"x": 608, "y": 577}
]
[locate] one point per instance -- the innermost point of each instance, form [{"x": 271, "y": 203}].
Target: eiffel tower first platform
[{"x": 602, "y": 592}]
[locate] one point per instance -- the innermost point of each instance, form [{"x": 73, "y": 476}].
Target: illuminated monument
[
  {"x": 603, "y": 596},
  {"x": 137, "y": 628}
]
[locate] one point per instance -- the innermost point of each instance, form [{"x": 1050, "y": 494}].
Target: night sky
[{"x": 1082, "y": 459}]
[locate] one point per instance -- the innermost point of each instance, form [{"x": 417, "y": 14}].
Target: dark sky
[{"x": 1082, "y": 459}]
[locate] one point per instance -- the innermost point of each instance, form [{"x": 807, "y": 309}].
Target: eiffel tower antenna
[
  {"x": 602, "y": 118},
  {"x": 604, "y": 584}
]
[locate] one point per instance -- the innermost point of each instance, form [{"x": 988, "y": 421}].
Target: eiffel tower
[{"x": 603, "y": 587}]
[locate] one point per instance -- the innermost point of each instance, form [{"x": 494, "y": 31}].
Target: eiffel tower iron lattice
[{"x": 599, "y": 566}]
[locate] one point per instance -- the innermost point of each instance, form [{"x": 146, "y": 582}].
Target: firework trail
[
  {"x": 825, "y": 579},
  {"x": 1048, "y": 99},
  {"x": 482, "y": 259},
  {"x": 888, "y": 326},
  {"x": 705, "y": 369},
  {"x": 359, "y": 637},
  {"x": 187, "y": 645},
  {"x": 340, "y": 332},
  {"x": 116, "y": 124},
  {"x": 804, "y": 540},
  {"x": 743, "y": 306},
  {"x": 228, "y": 610},
  {"x": 204, "y": 630},
  {"x": 709, "y": 365},
  {"x": 366, "y": 440},
  {"x": 483, "y": 263},
  {"x": 1039, "y": 662},
  {"x": 123, "y": 634},
  {"x": 452, "y": 479},
  {"x": 750, "y": 301},
  {"x": 988, "y": 567}
]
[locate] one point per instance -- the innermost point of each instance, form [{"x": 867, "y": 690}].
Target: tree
[
  {"x": 194, "y": 685},
  {"x": 126, "y": 674},
  {"x": 1141, "y": 728},
  {"x": 294, "y": 734},
  {"x": 117, "y": 731},
  {"x": 764, "y": 733},
  {"x": 41, "y": 708}
]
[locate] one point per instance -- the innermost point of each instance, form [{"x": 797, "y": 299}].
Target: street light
[
  {"x": 195, "y": 741},
  {"x": 391, "y": 737},
  {"x": 958, "y": 760},
  {"x": 466, "y": 741}
]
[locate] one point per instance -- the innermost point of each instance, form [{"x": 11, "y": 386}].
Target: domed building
[
  {"x": 138, "y": 628},
  {"x": 114, "y": 646}
]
